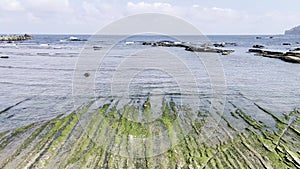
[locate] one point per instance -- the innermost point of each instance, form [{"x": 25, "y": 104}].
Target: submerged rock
[
  {"x": 286, "y": 44},
  {"x": 219, "y": 45},
  {"x": 258, "y": 46},
  {"x": 255, "y": 51},
  {"x": 97, "y": 47},
  {"x": 231, "y": 44},
  {"x": 146, "y": 43}
]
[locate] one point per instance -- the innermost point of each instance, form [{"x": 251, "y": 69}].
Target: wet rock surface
[
  {"x": 63, "y": 142},
  {"x": 258, "y": 46},
  {"x": 290, "y": 56},
  {"x": 189, "y": 47}
]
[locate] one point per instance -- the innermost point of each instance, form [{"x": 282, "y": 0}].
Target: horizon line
[{"x": 208, "y": 34}]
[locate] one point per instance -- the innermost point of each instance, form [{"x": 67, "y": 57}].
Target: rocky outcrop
[
  {"x": 15, "y": 37},
  {"x": 104, "y": 137},
  {"x": 293, "y": 31},
  {"x": 209, "y": 50},
  {"x": 190, "y": 48},
  {"x": 291, "y": 56}
]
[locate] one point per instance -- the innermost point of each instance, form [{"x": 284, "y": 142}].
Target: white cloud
[
  {"x": 148, "y": 6},
  {"x": 87, "y": 16},
  {"x": 195, "y": 11},
  {"x": 47, "y": 5},
  {"x": 10, "y": 5}
]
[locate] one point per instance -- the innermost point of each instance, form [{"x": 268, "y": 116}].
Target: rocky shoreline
[
  {"x": 15, "y": 37},
  {"x": 108, "y": 140}
]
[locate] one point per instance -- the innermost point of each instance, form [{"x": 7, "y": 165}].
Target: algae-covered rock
[{"x": 106, "y": 137}]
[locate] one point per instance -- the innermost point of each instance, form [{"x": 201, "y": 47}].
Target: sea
[{"x": 37, "y": 76}]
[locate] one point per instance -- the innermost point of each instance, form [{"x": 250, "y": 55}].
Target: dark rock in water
[
  {"x": 147, "y": 43},
  {"x": 255, "y": 51},
  {"x": 27, "y": 36},
  {"x": 266, "y": 52},
  {"x": 209, "y": 50},
  {"x": 74, "y": 39},
  {"x": 224, "y": 44},
  {"x": 86, "y": 74},
  {"x": 292, "y": 57},
  {"x": 258, "y": 46},
  {"x": 295, "y": 54},
  {"x": 293, "y": 31},
  {"x": 4, "y": 57},
  {"x": 296, "y": 49},
  {"x": 273, "y": 53},
  {"x": 230, "y": 44},
  {"x": 168, "y": 44},
  {"x": 286, "y": 44},
  {"x": 97, "y": 47},
  {"x": 219, "y": 45},
  {"x": 10, "y": 116},
  {"x": 189, "y": 48}
]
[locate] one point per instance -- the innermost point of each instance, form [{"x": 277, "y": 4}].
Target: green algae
[
  {"x": 227, "y": 122},
  {"x": 257, "y": 146},
  {"x": 249, "y": 120}
]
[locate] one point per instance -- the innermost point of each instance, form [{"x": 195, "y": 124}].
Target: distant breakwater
[{"x": 15, "y": 37}]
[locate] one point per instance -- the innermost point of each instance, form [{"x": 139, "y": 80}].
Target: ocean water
[{"x": 37, "y": 79}]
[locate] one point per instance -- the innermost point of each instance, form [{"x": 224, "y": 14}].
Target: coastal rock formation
[
  {"x": 189, "y": 48},
  {"x": 291, "y": 56},
  {"x": 15, "y": 37},
  {"x": 209, "y": 50},
  {"x": 293, "y": 31},
  {"x": 109, "y": 139},
  {"x": 224, "y": 44}
]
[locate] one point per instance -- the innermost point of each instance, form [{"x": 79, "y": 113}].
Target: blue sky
[{"x": 88, "y": 16}]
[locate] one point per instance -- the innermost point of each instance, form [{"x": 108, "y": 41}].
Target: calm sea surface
[{"x": 36, "y": 79}]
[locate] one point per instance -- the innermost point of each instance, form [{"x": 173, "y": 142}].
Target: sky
[{"x": 228, "y": 17}]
